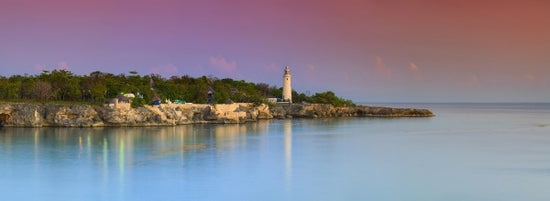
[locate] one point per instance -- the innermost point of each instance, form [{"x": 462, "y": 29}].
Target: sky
[{"x": 364, "y": 50}]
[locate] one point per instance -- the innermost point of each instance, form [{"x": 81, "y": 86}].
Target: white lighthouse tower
[{"x": 287, "y": 89}]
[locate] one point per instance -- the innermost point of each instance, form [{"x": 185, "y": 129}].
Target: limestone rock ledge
[
  {"x": 326, "y": 110},
  {"x": 74, "y": 115}
]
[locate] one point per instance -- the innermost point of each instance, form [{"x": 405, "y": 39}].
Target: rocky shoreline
[{"x": 74, "y": 115}]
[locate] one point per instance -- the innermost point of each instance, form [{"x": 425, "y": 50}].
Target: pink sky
[{"x": 373, "y": 51}]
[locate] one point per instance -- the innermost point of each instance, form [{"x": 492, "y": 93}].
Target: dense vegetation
[{"x": 99, "y": 87}]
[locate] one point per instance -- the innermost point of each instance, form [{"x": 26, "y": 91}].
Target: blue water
[{"x": 466, "y": 152}]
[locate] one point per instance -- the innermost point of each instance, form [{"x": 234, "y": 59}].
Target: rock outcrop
[
  {"x": 326, "y": 110},
  {"x": 75, "y": 115}
]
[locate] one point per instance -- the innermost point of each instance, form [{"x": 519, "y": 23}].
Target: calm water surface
[{"x": 467, "y": 152}]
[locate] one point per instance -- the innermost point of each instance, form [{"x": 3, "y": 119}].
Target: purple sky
[{"x": 368, "y": 51}]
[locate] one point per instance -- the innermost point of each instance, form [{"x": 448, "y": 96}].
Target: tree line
[{"x": 99, "y": 87}]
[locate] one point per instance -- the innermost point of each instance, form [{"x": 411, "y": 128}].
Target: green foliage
[
  {"x": 330, "y": 98},
  {"x": 137, "y": 102},
  {"x": 99, "y": 87}
]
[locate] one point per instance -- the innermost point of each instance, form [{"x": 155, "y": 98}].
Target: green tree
[
  {"x": 97, "y": 87},
  {"x": 42, "y": 90},
  {"x": 137, "y": 102},
  {"x": 98, "y": 92}
]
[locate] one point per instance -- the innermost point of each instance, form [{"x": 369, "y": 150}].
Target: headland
[{"x": 14, "y": 114}]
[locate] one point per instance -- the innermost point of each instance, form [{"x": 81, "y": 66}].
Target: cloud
[
  {"x": 346, "y": 76},
  {"x": 473, "y": 80},
  {"x": 63, "y": 65},
  {"x": 272, "y": 67},
  {"x": 310, "y": 67},
  {"x": 40, "y": 67},
  {"x": 529, "y": 77},
  {"x": 198, "y": 70},
  {"x": 417, "y": 74},
  {"x": 223, "y": 64},
  {"x": 165, "y": 70},
  {"x": 381, "y": 69}
]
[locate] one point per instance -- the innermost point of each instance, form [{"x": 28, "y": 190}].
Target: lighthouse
[{"x": 287, "y": 89}]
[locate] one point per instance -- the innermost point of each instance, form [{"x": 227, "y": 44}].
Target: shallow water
[{"x": 466, "y": 152}]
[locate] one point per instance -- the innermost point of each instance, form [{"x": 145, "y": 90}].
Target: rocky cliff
[{"x": 73, "y": 115}]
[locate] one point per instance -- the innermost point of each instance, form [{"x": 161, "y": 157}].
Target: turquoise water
[{"x": 467, "y": 152}]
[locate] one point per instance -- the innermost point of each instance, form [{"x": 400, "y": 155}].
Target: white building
[
  {"x": 287, "y": 88},
  {"x": 271, "y": 100}
]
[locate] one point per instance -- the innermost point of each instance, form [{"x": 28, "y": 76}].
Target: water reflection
[
  {"x": 287, "y": 129},
  {"x": 122, "y": 147},
  {"x": 460, "y": 153}
]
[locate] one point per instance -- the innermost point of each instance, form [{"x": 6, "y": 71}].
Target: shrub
[{"x": 137, "y": 102}]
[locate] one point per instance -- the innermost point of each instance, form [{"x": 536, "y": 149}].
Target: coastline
[{"x": 13, "y": 114}]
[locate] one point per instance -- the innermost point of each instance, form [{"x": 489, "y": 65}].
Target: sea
[{"x": 466, "y": 152}]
